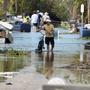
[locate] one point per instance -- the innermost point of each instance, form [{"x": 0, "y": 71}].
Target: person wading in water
[{"x": 49, "y": 31}]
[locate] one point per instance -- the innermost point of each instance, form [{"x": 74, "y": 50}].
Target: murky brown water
[
  {"x": 13, "y": 61},
  {"x": 69, "y": 59},
  {"x": 67, "y": 66},
  {"x": 50, "y": 64}
]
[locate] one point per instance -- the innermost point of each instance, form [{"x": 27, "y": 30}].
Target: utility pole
[
  {"x": 82, "y": 11},
  {"x": 88, "y": 3}
]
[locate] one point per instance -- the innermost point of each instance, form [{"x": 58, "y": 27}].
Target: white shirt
[
  {"x": 45, "y": 17},
  {"x": 34, "y": 18}
]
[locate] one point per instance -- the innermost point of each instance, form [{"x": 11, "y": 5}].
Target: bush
[{"x": 65, "y": 25}]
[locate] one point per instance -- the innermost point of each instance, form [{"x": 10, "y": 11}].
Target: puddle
[{"x": 12, "y": 61}]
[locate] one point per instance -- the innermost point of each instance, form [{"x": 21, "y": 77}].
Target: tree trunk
[
  {"x": 5, "y": 5},
  {"x": 16, "y": 6},
  {"x": 88, "y": 1}
]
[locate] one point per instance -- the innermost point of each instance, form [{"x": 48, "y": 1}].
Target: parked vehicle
[
  {"x": 87, "y": 26},
  {"x": 5, "y": 32},
  {"x": 87, "y": 45},
  {"x": 17, "y": 25},
  {"x": 22, "y": 27}
]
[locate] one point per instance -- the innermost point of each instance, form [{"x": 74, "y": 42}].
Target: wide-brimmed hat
[{"x": 48, "y": 20}]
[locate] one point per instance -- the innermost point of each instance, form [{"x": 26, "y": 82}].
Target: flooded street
[{"x": 69, "y": 60}]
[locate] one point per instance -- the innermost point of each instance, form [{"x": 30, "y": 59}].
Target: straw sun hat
[{"x": 48, "y": 20}]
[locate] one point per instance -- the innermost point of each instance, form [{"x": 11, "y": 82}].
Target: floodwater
[{"x": 69, "y": 60}]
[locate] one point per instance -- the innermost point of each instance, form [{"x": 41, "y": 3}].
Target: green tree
[
  {"x": 77, "y": 5},
  {"x": 1, "y": 7},
  {"x": 62, "y": 9}
]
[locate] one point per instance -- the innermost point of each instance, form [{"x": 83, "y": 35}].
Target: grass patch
[
  {"x": 85, "y": 38},
  {"x": 12, "y": 52}
]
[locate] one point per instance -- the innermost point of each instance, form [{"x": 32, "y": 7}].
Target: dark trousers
[{"x": 50, "y": 40}]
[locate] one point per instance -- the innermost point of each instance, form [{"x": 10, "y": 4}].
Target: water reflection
[
  {"x": 84, "y": 55},
  {"x": 48, "y": 66},
  {"x": 44, "y": 63},
  {"x": 82, "y": 76},
  {"x": 74, "y": 67},
  {"x": 10, "y": 62}
]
